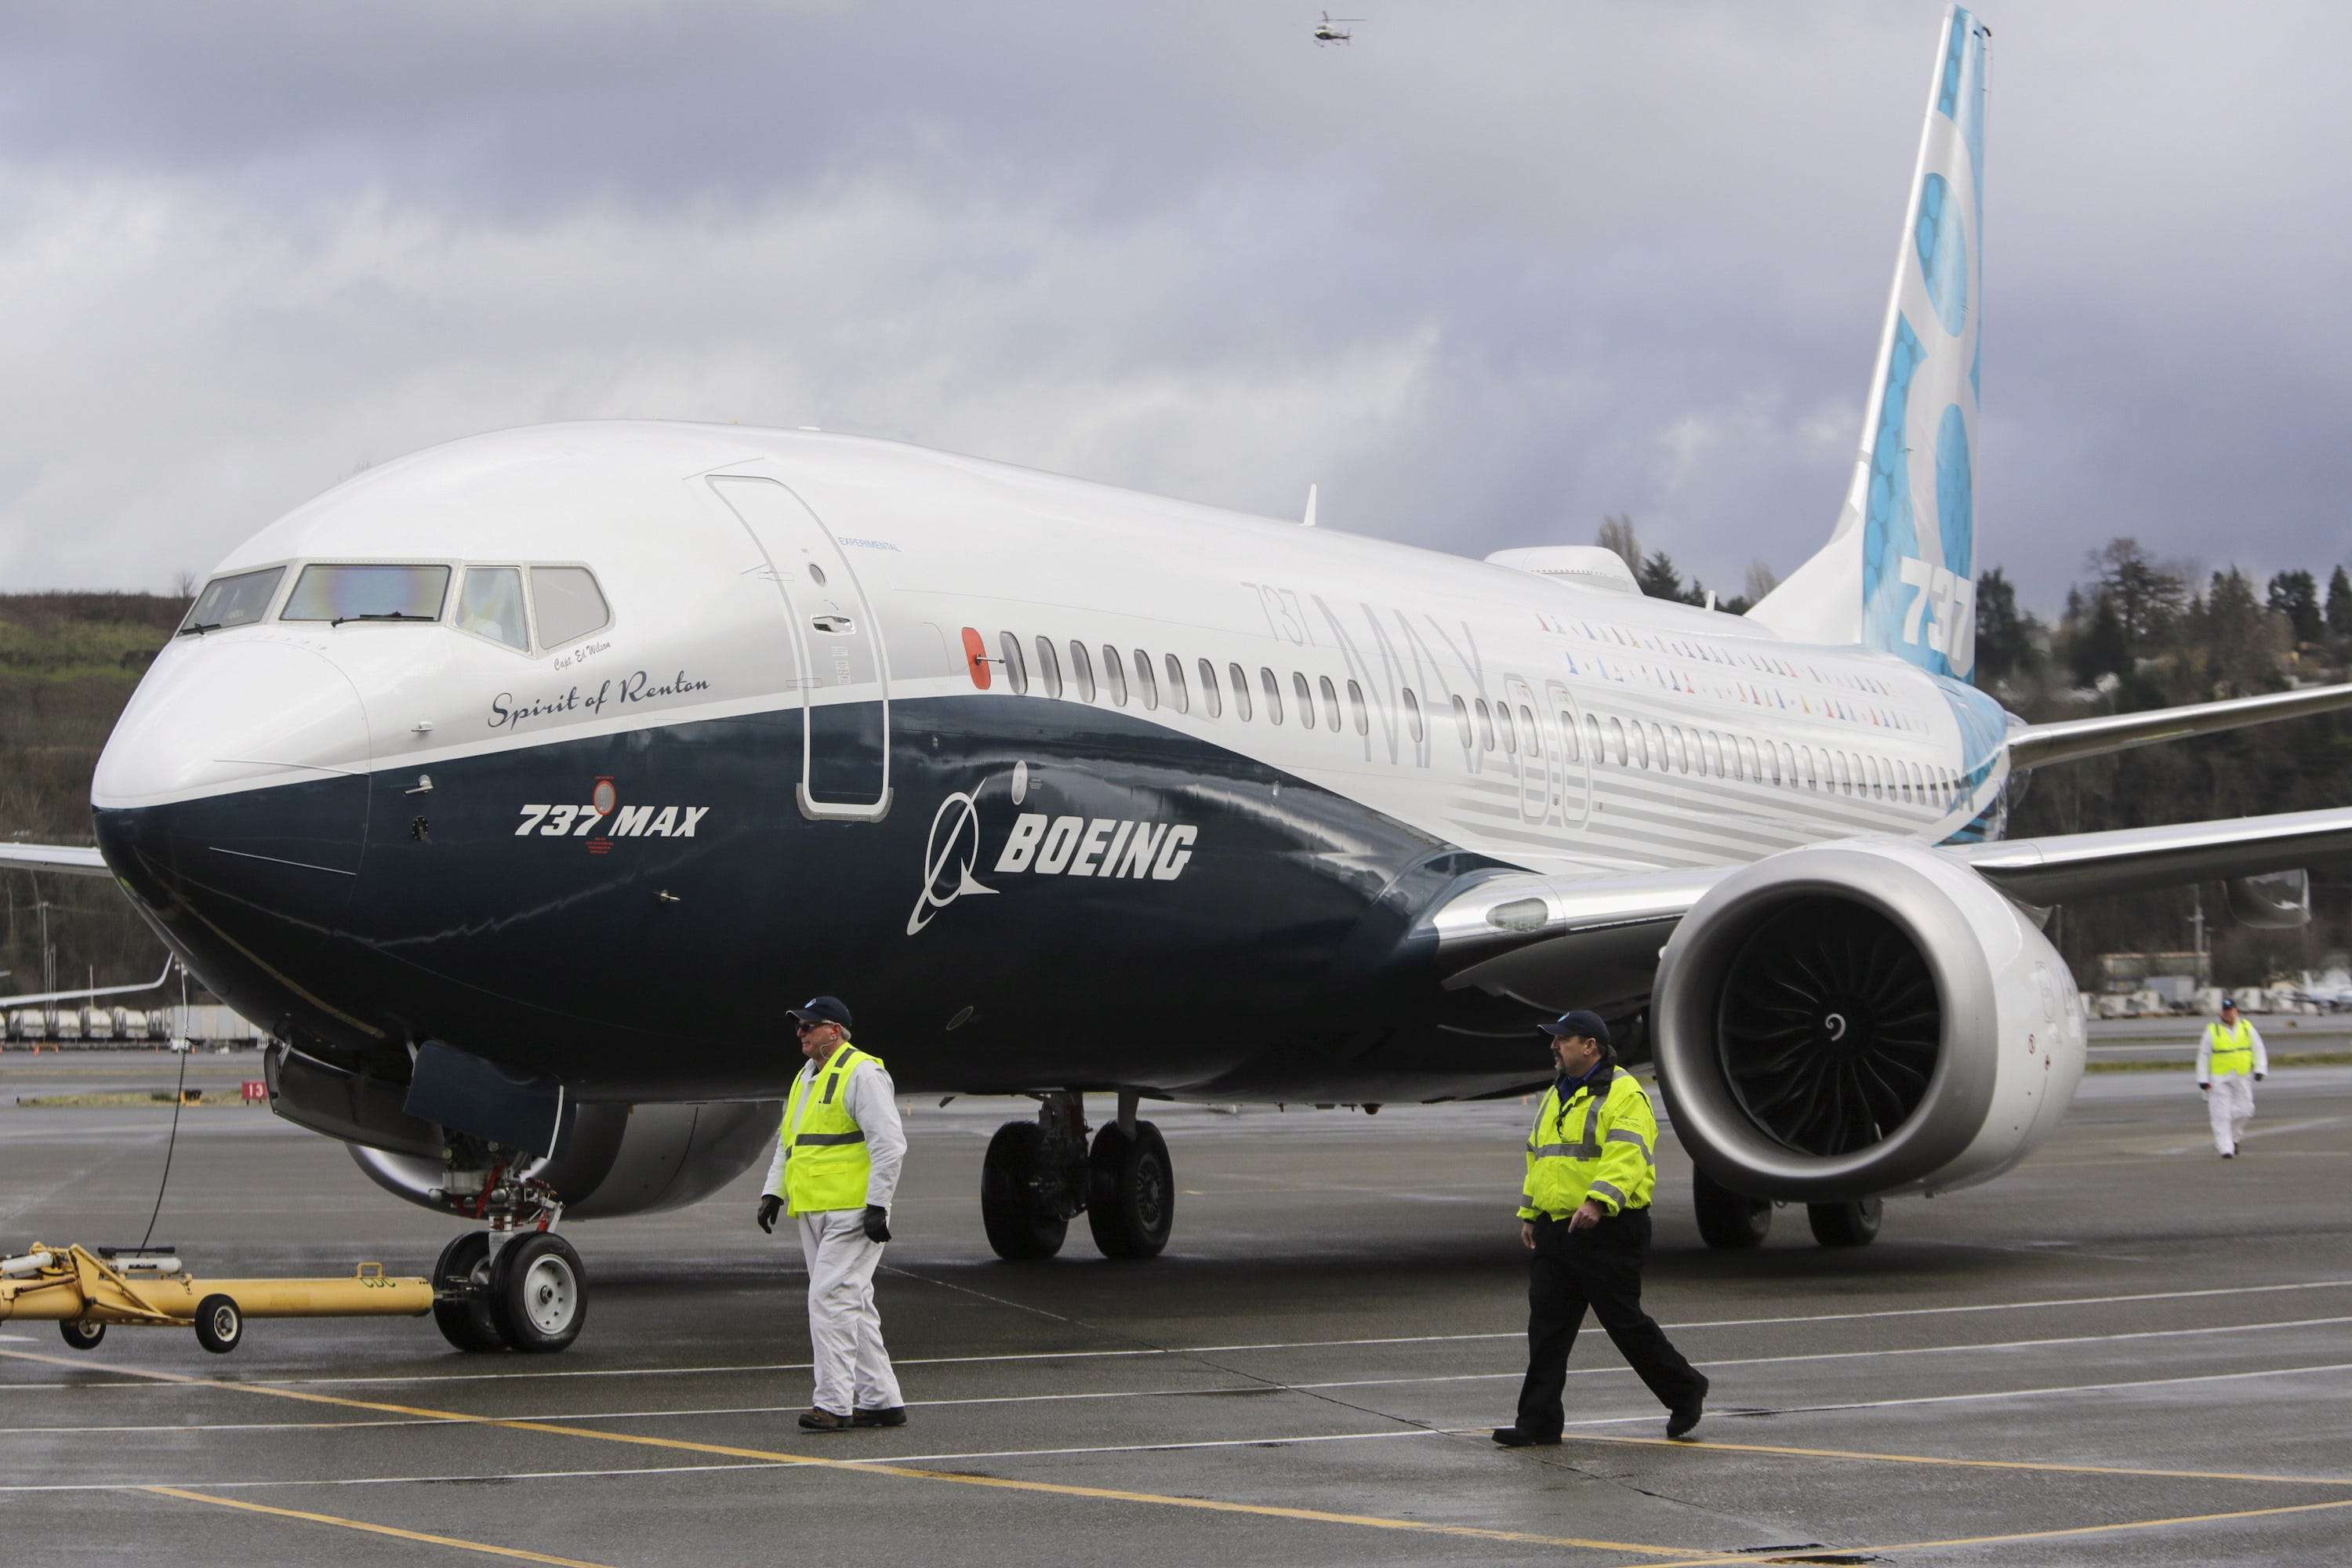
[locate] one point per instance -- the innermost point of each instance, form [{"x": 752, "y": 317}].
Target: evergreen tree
[
  {"x": 2295, "y": 594},
  {"x": 1658, "y": 577},
  {"x": 2146, "y": 598},
  {"x": 2004, "y": 637},
  {"x": 2339, "y": 604},
  {"x": 2102, "y": 647}
]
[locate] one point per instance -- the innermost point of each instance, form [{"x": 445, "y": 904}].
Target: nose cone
[
  {"x": 231, "y": 716},
  {"x": 231, "y": 800}
]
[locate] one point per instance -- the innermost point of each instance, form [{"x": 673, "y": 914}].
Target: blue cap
[
  {"x": 2229, "y": 1002},
  {"x": 1587, "y": 1024},
  {"x": 822, "y": 1010}
]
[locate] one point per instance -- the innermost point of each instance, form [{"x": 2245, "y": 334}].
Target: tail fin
[{"x": 1899, "y": 571}]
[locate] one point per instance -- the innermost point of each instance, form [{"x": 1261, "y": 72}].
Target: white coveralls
[
  {"x": 853, "y": 1369},
  {"x": 2228, "y": 1100}
]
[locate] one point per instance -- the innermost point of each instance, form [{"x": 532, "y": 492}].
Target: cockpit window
[
  {"x": 340, "y": 593},
  {"x": 569, "y": 604},
  {"x": 490, "y": 606},
  {"x": 237, "y": 601}
]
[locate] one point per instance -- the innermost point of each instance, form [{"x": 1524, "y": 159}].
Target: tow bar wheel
[
  {"x": 538, "y": 1292},
  {"x": 82, "y": 1336},
  {"x": 219, "y": 1324},
  {"x": 461, "y": 1304}
]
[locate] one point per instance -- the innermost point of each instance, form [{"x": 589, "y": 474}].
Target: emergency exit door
[{"x": 843, "y": 675}]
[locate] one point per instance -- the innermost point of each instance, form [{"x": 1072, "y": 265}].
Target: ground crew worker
[
  {"x": 2230, "y": 1061},
  {"x": 1584, "y": 1218},
  {"x": 838, "y": 1156}
]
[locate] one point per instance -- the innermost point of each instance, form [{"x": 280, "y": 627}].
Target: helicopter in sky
[{"x": 1329, "y": 31}]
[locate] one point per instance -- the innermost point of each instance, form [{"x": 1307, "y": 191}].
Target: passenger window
[
  {"x": 1658, "y": 746},
  {"x": 1049, "y": 667},
  {"x": 1641, "y": 748},
  {"x": 1082, "y": 670},
  {"x": 1788, "y": 766},
  {"x": 1356, "y": 705},
  {"x": 1677, "y": 755},
  {"x": 490, "y": 606},
  {"x": 237, "y": 601},
  {"x": 367, "y": 594},
  {"x": 1715, "y": 753},
  {"x": 1486, "y": 725},
  {"x": 1306, "y": 697},
  {"x": 1178, "y": 698},
  {"x": 1592, "y": 738},
  {"x": 1568, "y": 736},
  {"x": 1503, "y": 723},
  {"x": 1412, "y": 714},
  {"x": 1331, "y": 701},
  {"x": 1844, "y": 771},
  {"x": 1461, "y": 720},
  {"x": 1752, "y": 769},
  {"x": 1115, "y": 675},
  {"x": 1531, "y": 730},
  {"x": 1271, "y": 687},
  {"x": 1147, "y": 685},
  {"x": 569, "y": 604},
  {"x": 1240, "y": 678},
  {"x": 1813, "y": 777},
  {"x": 1617, "y": 741},
  {"x": 1017, "y": 668},
  {"x": 1211, "y": 700}
]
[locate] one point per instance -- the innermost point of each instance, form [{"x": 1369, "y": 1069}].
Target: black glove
[
  {"x": 771, "y": 1205},
  {"x": 877, "y": 1223},
  {"x": 2258, "y": 1077}
]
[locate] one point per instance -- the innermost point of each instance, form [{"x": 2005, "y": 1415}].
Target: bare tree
[
  {"x": 1617, "y": 534},
  {"x": 184, "y": 584},
  {"x": 1760, "y": 580}
]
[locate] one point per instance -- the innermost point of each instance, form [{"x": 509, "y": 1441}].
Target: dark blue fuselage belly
[{"x": 1274, "y": 960}]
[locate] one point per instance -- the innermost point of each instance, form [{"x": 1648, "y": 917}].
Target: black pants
[{"x": 1600, "y": 1268}]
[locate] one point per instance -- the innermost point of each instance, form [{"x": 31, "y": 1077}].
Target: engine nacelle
[
  {"x": 1862, "y": 1018},
  {"x": 613, "y": 1159}
]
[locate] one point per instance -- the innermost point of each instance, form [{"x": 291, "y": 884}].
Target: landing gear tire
[
  {"x": 220, "y": 1326},
  {"x": 1846, "y": 1225},
  {"x": 461, "y": 1303},
  {"x": 538, "y": 1292},
  {"x": 1729, "y": 1221},
  {"x": 1012, "y": 1210},
  {"x": 1131, "y": 1192},
  {"x": 82, "y": 1336}
]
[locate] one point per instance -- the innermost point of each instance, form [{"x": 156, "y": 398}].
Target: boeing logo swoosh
[{"x": 952, "y": 851}]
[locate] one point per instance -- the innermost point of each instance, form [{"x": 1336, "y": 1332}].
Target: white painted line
[
  {"x": 2071, "y": 1388},
  {"x": 471, "y": 1418},
  {"x": 1143, "y": 1351}
]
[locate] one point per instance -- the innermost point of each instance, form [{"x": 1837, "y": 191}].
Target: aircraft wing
[
  {"x": 1535, "y": 937},
  {"x": 2069, "y": 739},
  {"x": 72, "y": 860}
]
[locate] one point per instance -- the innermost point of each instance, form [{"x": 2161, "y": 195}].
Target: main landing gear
[
  {"x": 1731, "y": 1222},
  {"x": 1041, "y": 1174},
  {"x": 516, "y": 1285}
]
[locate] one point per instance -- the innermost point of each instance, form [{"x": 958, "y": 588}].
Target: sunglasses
[{"x": 804, "y": 1025}]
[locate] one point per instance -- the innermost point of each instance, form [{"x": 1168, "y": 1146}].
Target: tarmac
[{"x": 2125, "y": 1351}]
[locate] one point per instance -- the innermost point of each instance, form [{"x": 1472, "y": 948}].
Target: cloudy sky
[{"x": 1492, "y": 272}]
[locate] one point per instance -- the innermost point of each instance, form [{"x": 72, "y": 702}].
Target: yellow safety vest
[
  {"x": 1603, "y": 1147},
  {"x": 826, "y": 1160},
  {"x": 2233, "y": 1050}
]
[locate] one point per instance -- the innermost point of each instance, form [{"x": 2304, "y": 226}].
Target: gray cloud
[{"x": 1486, "y": 276}]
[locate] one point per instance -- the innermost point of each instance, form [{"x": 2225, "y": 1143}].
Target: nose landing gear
[
  {"x": 1039, "y": 1175},
  {"x": 517, "y": 1285}
]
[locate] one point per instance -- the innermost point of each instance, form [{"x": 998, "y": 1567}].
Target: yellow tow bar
[{"x": 84, "y": 1294}]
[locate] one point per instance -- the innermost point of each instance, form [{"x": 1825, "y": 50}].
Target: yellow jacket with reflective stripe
[
  {"x": 2232, "y": 1049},
  {"x": 828, "y": 1161},
  {"x": 1601, "y": 1146}
]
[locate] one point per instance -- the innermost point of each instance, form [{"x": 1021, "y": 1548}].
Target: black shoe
[
  {"x": 1512, "y": 1437},
  {"x": 894, "y": 1416},
  {"x": 2230, "y": 1155},
  {"x": 820, "y": 1419},
  {"x": 1681, "y": 1421}
]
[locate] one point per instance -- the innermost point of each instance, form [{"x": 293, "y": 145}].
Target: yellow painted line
[
  {"x": 429, "y": 1539},
  {"x": 2046, "y": 1466},
  {"x": 873, "y": 1468},
  {"x": 1813, "y": 1553}
]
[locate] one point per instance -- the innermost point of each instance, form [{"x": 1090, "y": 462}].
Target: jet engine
[
  {"x": 1862, "y": 1018},
  {"x": 614, "y": 1160}
]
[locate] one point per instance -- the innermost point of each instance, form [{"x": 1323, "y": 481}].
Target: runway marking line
[
  {"x": 2045, "y": 1467},
  {"x": 1224, "y": 1350},
  {"x": 419, "y": 1535},
  {"x": 1808, "y": 1553},
  {"x": 884, "y": 1468},
  {"x": 1278, "y": 1388}
]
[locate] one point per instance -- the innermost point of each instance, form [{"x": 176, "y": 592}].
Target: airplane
[
  {"x": 1328, "y": 31},
  {"x": 518, "y": 785}
]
